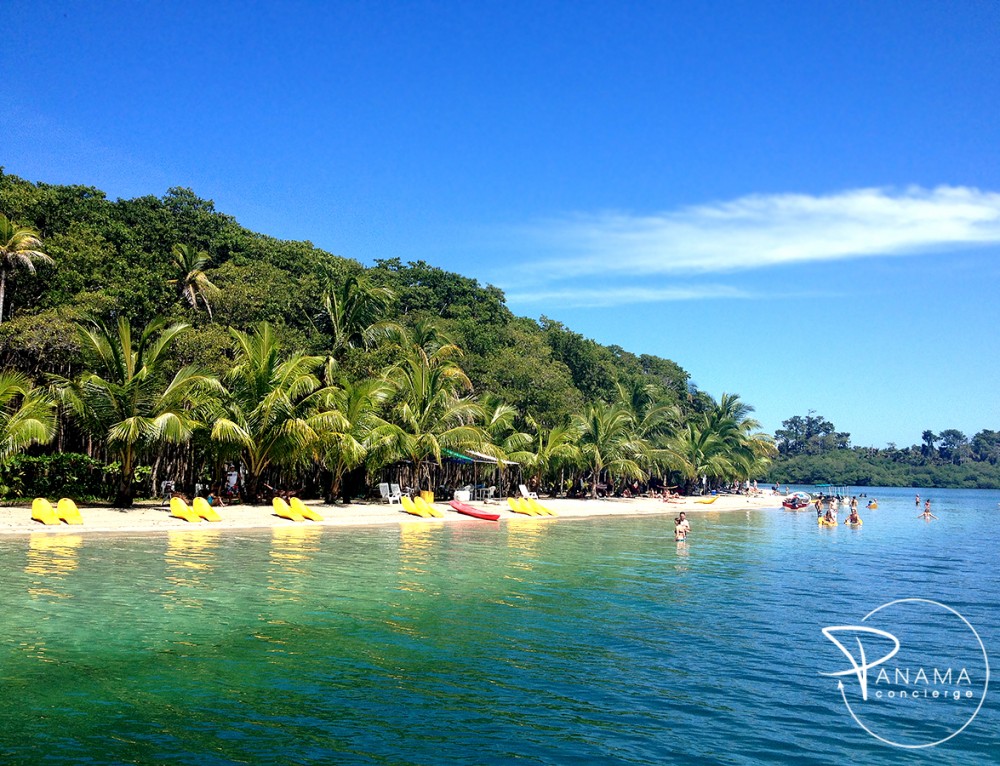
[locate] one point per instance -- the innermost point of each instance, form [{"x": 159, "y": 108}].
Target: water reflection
[
  {"x": 190, "y": 562},
  {"x": 52, "y": 557},
  {"x": 292, "y": 549},
  {"x": 416, "y": 540}
]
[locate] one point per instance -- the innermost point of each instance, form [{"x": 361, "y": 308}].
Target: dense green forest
[
  {"x": 811, "y": 451},
  {"x": 153, "y": 338}
]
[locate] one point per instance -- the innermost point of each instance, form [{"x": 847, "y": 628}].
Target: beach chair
[
  {"x": 201, "y": 507},
  {"x": 388, "y": 495},
  {"x": 42, "y": 510},
  {"x": 68, "y": 512},
  {"x": 166, "y": 492},
  {"x": 282, "y": 509},
  {"x": 180, "y": 510},
  {"x": 538, "y": 508},
  {"x": 410, "y": 507},
  {"x": 525, "y": 493},
  {"x": 304, "y": 510},
  {"x": 395, "y": 493},
  {"x": 517, "y": 507},
  {"x": 428, "y": 509}
]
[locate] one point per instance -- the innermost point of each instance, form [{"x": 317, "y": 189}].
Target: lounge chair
[
  {"x": 42, "y": 510},
  {"x": 304, "y": 510},
  {"x": 389, "y": 496},
  {"x": 395, "y": 492},
  {"x": 68, "y": 512},
  {"x": 518, "y": 507},
  {"x": 525, "y": 493},
  {"x": 282, "y": 509},
  {"x": 428, "y": 509},
  {"x": 410, "y": 507},
  {"x": 179, "y": 509},
  {"x": 201, "y": 507}
]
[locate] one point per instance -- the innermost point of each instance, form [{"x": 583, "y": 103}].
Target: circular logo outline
[{"x": 986, "y": 682}]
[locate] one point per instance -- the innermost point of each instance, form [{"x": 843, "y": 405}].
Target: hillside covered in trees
[
  {"x": 811, "y": 450},
  {"x": 157, "y": 338}
]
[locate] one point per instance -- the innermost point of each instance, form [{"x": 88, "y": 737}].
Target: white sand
[{"x": 149, "y": 517}]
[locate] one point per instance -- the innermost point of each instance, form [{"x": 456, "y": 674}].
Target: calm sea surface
[{"x": 559, "y": 642}]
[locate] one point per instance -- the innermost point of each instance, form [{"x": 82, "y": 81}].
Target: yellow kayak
[{"x": 708, "y": 500}]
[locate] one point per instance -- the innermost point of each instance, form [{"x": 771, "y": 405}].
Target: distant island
[{"x": 812, "y": 451}]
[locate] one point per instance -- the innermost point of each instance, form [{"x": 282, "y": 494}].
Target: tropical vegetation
[
  {"x": 811, "y": 451},
  {"x": 178, "y": 344}
]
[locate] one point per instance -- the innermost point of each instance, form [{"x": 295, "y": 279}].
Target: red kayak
[{"x": 468, "y": 510}]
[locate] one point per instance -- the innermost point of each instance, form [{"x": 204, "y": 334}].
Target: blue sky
[{"x": 798, "y": 202}]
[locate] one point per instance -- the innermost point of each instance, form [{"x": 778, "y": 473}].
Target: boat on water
[
  {"x": 796, "y": 501},
  {"x": 468, "y": 510}
]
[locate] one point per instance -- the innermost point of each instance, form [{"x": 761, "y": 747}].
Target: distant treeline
[{"x": 811, "y": 450}]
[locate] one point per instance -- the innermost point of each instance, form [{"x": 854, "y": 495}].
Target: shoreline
[{"x": 152, "y": 517}]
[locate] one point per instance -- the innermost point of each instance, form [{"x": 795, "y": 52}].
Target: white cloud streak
[
  {"x": 762, "y": 231},
  {"x": 596, "y": 297}
]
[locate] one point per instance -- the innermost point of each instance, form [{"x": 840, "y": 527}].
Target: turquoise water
[{"x": 540, "y": 642}]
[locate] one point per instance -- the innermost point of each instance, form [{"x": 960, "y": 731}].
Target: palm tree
[
  {"x": 608, "y": 442},
  {"x": 355, "y": 312},
  {"x": 363, "y": 436},
  {"x": 721, "y": 443},
  {"x": 19, "y": 247},
  {"x": 27, "y": 415},
  {"x": 430, "y": 409},
  {"x": 130, "y": 402},
  {"x": 696, "y": 450},
  {"x": 505, "y": 441},
  {"x": 193, "y": 283},
  {"x": 275, "y": 410},
  {"x": 748, "y": 450},
  {"x": 552, "y": 447}
]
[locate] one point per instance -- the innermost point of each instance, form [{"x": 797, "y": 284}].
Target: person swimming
[
  {"x": 927, "y": 515},
  {"x": 854, "y": 518}
]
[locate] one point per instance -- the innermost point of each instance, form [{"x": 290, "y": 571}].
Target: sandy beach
[{"x": 152, "y": 517}]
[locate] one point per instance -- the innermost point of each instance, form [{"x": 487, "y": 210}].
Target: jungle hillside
[{"x": 156, "y": 338}]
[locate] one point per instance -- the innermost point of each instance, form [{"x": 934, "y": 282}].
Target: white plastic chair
[
  {"x": 395, "y": 493},
  {"x": 383, "y": 490},
  {"x": 526, "y": 493}
]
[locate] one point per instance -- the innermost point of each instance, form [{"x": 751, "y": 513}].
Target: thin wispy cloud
[
  {"x": 615, "y": 296},
  {"x": 760, "y": 231}
]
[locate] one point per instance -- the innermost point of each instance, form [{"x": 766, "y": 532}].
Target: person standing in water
[
  {"x": 927, "y": 515},
  {"x": 918, "y": 501}
]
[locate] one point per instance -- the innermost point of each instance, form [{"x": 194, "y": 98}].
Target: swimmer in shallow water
[
  {"x": 927, "y": 515},
  {"x": 680, "y": 532}
]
